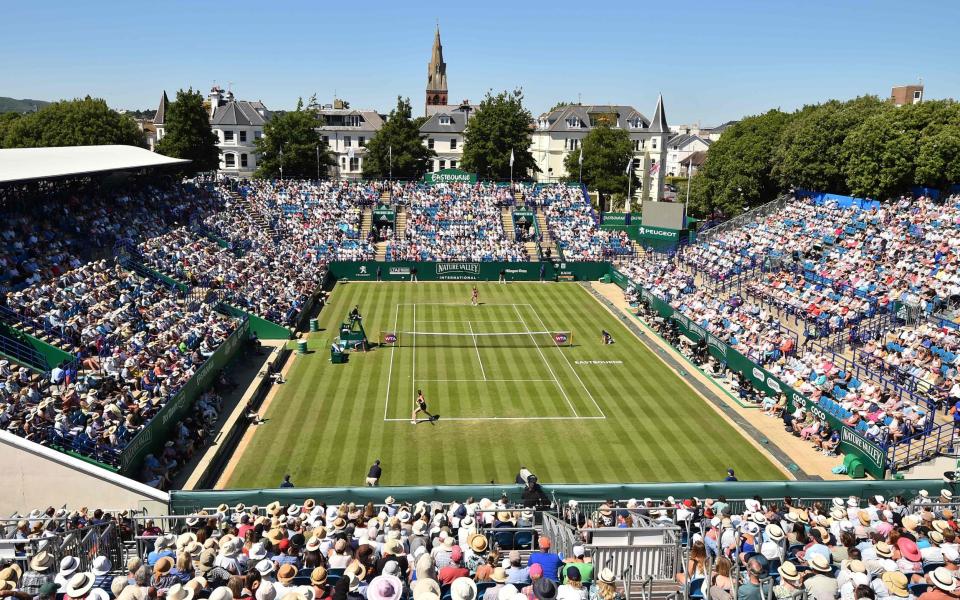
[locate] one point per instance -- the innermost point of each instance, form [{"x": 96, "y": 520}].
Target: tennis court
[{"x": 473, "y": 362}]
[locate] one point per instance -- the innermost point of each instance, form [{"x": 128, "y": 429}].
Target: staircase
[
  {"x": 546, "y": 241},
  {"x": 256, "y": 215},
  {"x": 400, "y": 231},
  {"x": 381, "y": 255},
  {"x": 519, "y": 197},
  {"x": 533, "y": 251},
  {"x": 385, "y": 197},
  {"x": 506, "y": 218},
  {"x": 366, "y": 222},
  {"x": 638, "y": 250}
]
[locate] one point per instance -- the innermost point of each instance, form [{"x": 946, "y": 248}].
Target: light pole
[
  {"x": 281, "y": 161},
  {"x": 318, "y": 162}
]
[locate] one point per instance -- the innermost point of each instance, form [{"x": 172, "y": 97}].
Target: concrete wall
[{"x": 34, "y": 476}]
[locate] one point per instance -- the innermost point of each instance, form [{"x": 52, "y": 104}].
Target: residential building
[
  {"x": 346, "y": 132},
  {"x": 238, "y": 125},
  {"x": 713, "y": 133},
  {"x": 443, "y": 133},
  {"x": 680, "y": 147},
  {"x": 560, "y": 132},
  {"x": 906, "y": 94}
]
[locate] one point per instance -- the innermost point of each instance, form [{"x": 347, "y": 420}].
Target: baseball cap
[{"x": 48, "y": 589}]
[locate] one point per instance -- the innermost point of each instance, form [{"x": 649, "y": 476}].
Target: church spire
[
  {"x": 436, "y": 75},
  {"x": 659, "y": 122}
]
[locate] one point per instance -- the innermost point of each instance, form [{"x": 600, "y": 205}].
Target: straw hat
[
  {"x": 943, "y": 579},
  {"x": 788, "y": 571},
  {"x": 820, "y": 563},
  {"x": 884, "y": 550},
  {"x": 499, "y": 575},
  {"x": 41, "y": 561},
  {"x": 478, "y": 543},
  {"x": 896, "y": 583},
  {"x": 179, "y": 592},
  {"x": 318, "y": 576},
  {"x": 79, "y": 584}
]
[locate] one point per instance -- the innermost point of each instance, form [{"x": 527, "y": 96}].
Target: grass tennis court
[{"x": 506, "y": 392}]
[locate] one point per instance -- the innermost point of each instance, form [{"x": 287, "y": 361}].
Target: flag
[
  {"x": 511, "y": 157},
  {"x": 350, "y": 152},
  {"x": 629, "y": 166},
  {"x": 581, "y": 156},
  {"x": 654, "y": 168}
]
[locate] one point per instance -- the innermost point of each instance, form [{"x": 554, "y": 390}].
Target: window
[
  {"x": 228, "y": 136},
  {"x": 352, "y": 120},
  {"x": 243, "y": 160},
  {"x": 653, "y": 143},
  {"x": 343, "y": 163},
  {"x": 230, "y": 160},
  {"x": 347, "y": 141},
  {"x": 257, "y": 134},
  {"x": 355, "y": 164},
  {"x": 430, "y": 143},
  {"x": 361, "y": 141},
  {"x": 326, "y": 140},
  {"x": 917, "y": 94},
  {"x": 636, "y": 124},
  {"x": 442, "y": 164},
  {"x": 243, "y": 136},
  {"x": 453, "y": 143},
  {"x": 445, "y": 120},
  {"x": 573, "y": 123},
  {"x": 571, "y": 144},
  {"x": 453, "y": 164}
]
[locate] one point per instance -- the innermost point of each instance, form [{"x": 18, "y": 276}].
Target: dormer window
[
  {"x": 573, "y": 123},
  {"x": 445, "y": 120},
  {"x": 636, "y": 124}
]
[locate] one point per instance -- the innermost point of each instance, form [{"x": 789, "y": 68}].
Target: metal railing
[
  {"x": 751, "y": 215},
  {"x": 921, "y": 446}
]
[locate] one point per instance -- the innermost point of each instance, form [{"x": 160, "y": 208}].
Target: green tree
[
  {"x": 810, "y": 153},
  {"x": 399, "y": 136},
  {"x": 500, "y": 125},
  {"x": 291, "y": 141},
  {"x": 559, "y": 105},
  {"x": 187, "y": 133},
  {"x": 606, "y": 153},
  {"x": 938, "y": 158},
  {"x": 86, "y": 122},
  {"x": 737, "y": 174}
]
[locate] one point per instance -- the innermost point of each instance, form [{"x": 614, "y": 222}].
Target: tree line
[{"x": 865, "y": 147}]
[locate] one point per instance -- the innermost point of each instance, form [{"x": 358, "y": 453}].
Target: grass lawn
[{"x": 506, "y": 395}]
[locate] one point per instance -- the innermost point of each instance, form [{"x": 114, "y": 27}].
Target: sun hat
[
  {"x": 265, "y": 567},
  {"x": 426, "y": 586},
  {"x": 463, "y": 588},
  {"x": 896, "y": 583},
  {"x": 221, "y": 593},
  {"x": 318, "y": 576},
  {"x": 935, "y": 537},
  {"x": 79, "y": 584},
  {"x": 179, "y": 592},
  {"x": 101, "y": 565},
  {"x": 606, "y": 575},
  {"x": 856, "y": 566},
  {"x": 163, "y": 566},
  {"x": 69, "y": 566},
  {"x": 884, "y": 550},
  {"x": 774, "y": 532},
  {"x": 266, "y": 591},
  {"x": 286, "y": 573},
  {"x": 908, "y": 548},
  {"x": 943, "y": 579},
  {"x": 11, "y": 573},
  {"x": 478, "y": 543},
  {"x": 788, "y": 571},
  {"x": 354, "y": 581},
  {"x": 544, "y": 589},
  {"x": 41, "y": 561},
  {"x": 820, "y": 563},
  {"x": 385, "y": 587},
  {"x": 911, "y": 522},
  {"x": 499, "y": 575}
]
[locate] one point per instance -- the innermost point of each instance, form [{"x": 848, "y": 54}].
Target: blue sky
[{"x": 712, "y": 60}]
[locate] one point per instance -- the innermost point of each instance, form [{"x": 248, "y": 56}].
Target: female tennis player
[
  {"x": 420, "y": 406},
  {"x": 475, "y": 297}
]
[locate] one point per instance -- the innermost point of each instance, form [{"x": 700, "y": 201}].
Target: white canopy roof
[{"x": 24, "y": 164}]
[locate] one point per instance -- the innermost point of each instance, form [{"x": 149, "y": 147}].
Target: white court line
[
  {"x": 487, "y": 380},
  {"x": 393, "y": 350},
  {"x": 464, "y": 304},
  {"x": 413, "y": 366},
  {"x": 507, "y": 419},
  {"x": 477, "y": 348},
  {"x": 549, "y": 368},
  {"x": 564, "y": 354},
  {"x": 461, "y": 321}
]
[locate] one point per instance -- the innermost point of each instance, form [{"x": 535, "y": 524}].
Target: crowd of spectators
[
  {"x": 455, "y": 222},
  {"x": 751, "y": 549},
  {"x": 574, "y": 224}
]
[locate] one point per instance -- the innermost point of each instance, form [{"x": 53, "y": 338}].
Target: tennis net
[{"x": 506, "y": 339}]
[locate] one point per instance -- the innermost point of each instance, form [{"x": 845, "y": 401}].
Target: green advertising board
[
  {"x": 450, "y": 176},
  {"x": 658, "y": 233},
  {"x": 384, "y": 214},
  {"x": 158, "y": 430},
  {"x": 467, "y": 271},
  {"x": 613, "y": 219}
]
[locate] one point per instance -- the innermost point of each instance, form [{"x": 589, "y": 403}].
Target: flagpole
[
  {"x": 686, "y": 204},
  {"x": 390, "y": 154},
  {"x": 318, "y": 162},
  {"x": 580, "y": 177},
  {"x": 629, "y": 182}
]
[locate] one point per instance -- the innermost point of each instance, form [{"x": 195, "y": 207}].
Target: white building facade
[
  {"x": 679, "y": 148},
  {"x": 560, "y": 133},
  {"x": 346, "y": 132},
  {"x": 443, "y": 133}
]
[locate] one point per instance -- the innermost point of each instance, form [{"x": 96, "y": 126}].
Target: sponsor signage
[
  {"x": 659, "y": 233},
  {"x": 864, "y": 447},
  {"x": 390, "y": 338},
  {"x": 384, "y": 214},
  {"x": 560, "y": 338},
  {"x": 458, "y": 271},
  {"x": 399, "y": 270},
  {"x": 618, "y": 219},
  {"x": 450, "y": 176},
  {"x": 599, "y": 362}
]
